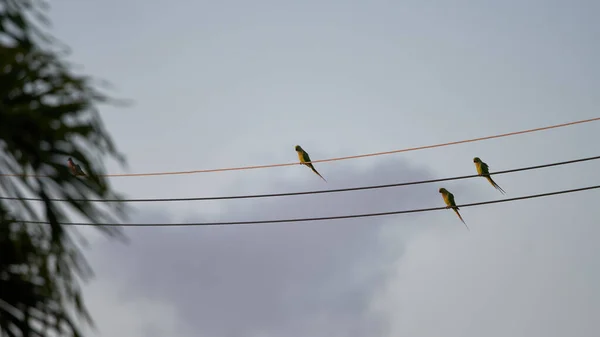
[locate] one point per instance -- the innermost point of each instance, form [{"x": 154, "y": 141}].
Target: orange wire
[{"x": 338, "y": 158}]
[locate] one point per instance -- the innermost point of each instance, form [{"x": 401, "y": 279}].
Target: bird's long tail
[
  {"x": 460, "y": 217},
  {"x": 80, "y": 172},
  {"x": 315, "y": 171},
  {"x": 495, "y": 185}
]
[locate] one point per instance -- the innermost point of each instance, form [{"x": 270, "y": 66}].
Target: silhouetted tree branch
[{"x": 47, "y": 114}]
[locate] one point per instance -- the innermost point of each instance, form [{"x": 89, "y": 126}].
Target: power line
[
  {"x": 366, "y": 215},
  {"x": 332, "y": 159},
  {"x": 252, "y": 196}
]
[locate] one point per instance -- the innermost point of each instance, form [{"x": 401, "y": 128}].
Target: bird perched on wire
[
  {"x": 450, "y": 203},
  {"x": 484, "y": 170},
  {"x": 305, "y": 159},
  {"x": 75, "y": 168}
]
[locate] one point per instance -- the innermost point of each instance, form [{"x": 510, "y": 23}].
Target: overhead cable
[
  {"x": 271, "y": 195},
  {"x": 332, "y": 159},
  {"x": 365, "y": 215}
]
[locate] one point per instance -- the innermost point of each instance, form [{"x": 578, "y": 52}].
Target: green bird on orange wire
[{"x": 305, "y": 159}]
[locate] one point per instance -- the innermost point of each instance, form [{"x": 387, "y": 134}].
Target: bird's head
[
  {"x": 70, "y": 160},
  {"x": 442, "y": 190},
  {"x": 298, "y": 148},
  {"x": 476, "y": 160}
]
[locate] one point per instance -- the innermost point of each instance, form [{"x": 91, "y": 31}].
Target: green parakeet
[
  {"x": 450, "y": 203},
  {"x": 305, "y": 159},
  {"x": 484, "y": 170}
]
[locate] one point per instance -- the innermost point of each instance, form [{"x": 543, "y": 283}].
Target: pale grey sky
[{"x": 236, "y": 83}]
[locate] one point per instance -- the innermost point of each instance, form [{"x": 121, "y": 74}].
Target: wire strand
[
  {"x": 271, "y": 195},
  {"x": 331, "y": 159},
  {"x": 366, "y": 215}
]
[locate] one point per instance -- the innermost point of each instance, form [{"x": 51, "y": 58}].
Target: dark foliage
[{"x": 47, "y": 114}]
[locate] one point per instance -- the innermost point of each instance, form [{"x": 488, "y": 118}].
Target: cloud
[
  {"x": 524, "y": 270},
  {"x": 298, "y": 279},
  {"x": 140, "y": 317}
]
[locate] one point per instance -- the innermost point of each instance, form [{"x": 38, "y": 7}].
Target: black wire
[
  {"x": 255, "y": 222},
  {"x": 250, "y": 196}
]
